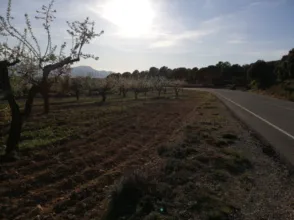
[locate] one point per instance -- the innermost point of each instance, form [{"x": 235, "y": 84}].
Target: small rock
[
  {"x": 71, "y": 217},
  {"x": 36, "y": 211},
  {"x": 38, "y": 217}
]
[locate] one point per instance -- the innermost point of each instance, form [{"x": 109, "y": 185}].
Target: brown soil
[
  {"x": 73, "y": 177},
  {"x": 204, "y": 163}
]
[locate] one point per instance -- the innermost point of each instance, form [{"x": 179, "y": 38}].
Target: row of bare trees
[{"x": 116, "y": 84}]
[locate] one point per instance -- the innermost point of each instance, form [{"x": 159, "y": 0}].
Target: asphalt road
[{"x": 271, "y": 118}]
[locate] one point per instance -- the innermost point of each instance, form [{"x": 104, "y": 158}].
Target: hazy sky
[{"x": 144, "y": 33}]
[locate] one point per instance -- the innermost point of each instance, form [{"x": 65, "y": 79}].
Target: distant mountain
[{"x": 87, "y": 70}]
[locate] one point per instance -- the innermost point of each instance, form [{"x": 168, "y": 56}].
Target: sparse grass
[
  {"x": 279, "y": 91},
  {"x": 72, "y": 156},
  {"x": 44, "y": 137},
  {"x": 189, "y": 160},
  {"x": 202, "y": 171},
  {"x": 192, "y": 160},
  {"x": 69, "y": 117},
  {"x": 126, "y": 198},
  {"x": 157, "y": 216},
  {"x": 235, "y": 164}
]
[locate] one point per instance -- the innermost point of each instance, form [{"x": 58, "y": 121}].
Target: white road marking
[{"x": 257, "y": 116}]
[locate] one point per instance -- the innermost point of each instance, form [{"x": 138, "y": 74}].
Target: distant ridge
[{"x": 87, "y": 70}]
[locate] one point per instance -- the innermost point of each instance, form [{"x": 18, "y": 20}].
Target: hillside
[{"x": 87, "y": 70}]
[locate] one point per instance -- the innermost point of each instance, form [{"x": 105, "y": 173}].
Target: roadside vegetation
[{"x": 212, "y": 169}]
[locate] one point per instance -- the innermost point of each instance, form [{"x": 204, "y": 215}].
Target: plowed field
[
  {"x": 72, "y": 175},
  {"x": 150, "y": 159}
]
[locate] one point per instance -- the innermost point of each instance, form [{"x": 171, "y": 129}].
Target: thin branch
[
  {"x": 15, "y": 33},
  {"x": 28, "y": 23},
  {"x": 47, "y": 27}
]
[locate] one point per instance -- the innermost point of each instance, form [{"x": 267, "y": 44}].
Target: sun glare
[{"x": 134, "y": 18}]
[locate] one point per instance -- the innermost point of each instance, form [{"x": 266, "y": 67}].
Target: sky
[{"x": 139, "y": 34}]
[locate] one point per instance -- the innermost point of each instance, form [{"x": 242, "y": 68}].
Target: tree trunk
[
  {"x": 177, "y": 92},
  {"x": 44, "y": 90},
  {"x": 77, "y": 95},
  {"x": 159, "y": 92},
  {"x": 15, "y": 126},
  {"x": 29, "y": 103},
  {"x": 46, "y": 102},
  {"x": 164, "y": 90},
  {"x": 103, "y": 97},
  {"x": 16, "y": 118},
  {"x": 136, "y": 95},
  {"x": 124, "y": 93}
]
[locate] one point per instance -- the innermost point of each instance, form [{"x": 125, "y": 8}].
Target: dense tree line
[{"x": 260, "y": 74}]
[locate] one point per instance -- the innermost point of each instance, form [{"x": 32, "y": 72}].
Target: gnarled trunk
[
  {"x": 124, "y": 92},
  {"x": 16, "y": 121},
  {"x": 46, "y": 85},
  {"x": 103, "y": 94},
  {"x": 177, "y": 92},
  {"x": 159, "y": 92},
  {"x": 46, "y": 102},
  {"x": 44, "y": 90},
  {"x": 77, "y": 95},
  {"x": 15, "y": 126},
  {"x": 30, "y": 99},
  {"x": 136, "y": 95}
]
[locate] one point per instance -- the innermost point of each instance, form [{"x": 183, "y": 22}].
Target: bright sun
[{"x": 133, "y": 17}]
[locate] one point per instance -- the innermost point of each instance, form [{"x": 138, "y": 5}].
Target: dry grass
[
  {"x": 217, "y": 170},
  {"x": 279, "y": 91}
]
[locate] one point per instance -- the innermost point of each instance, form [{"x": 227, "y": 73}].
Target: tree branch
[
  {"x": 13, "y": 63},
  {"x": 60, "y": 64}
]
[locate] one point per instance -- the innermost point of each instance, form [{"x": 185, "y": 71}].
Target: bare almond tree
[
  {"x": 177, "y": 86},
  {"x": 146, "y": 84},
  {"x": 135, "y": 86},
  {"x": 105, "y": 86},
  {"x": 124, "y": 85},
  {"x": 34, "y": 66},
  {"x": 140, "y": 85},
  {"x": 49, "y": 60},
  {"x": 9, "y": 58},
  {"x": 159, "y": 84}
]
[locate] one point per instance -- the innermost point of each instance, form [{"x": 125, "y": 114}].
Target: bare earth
[{"x": 200, "y": 161}]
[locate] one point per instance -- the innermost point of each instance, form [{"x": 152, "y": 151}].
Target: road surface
[{"x": 271, "y": 118}]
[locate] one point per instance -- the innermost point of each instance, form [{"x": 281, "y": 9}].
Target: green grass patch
[{"x": 44, "y": 137}]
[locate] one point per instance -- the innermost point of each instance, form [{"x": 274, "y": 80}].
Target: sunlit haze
[
  {"x": 133, "y": 18},
  {"x": 174, "y": 33}
]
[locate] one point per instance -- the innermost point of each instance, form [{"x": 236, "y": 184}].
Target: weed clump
[
  {"x": 130, "y": 198},
  {"x": 230, "y": 136}
]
